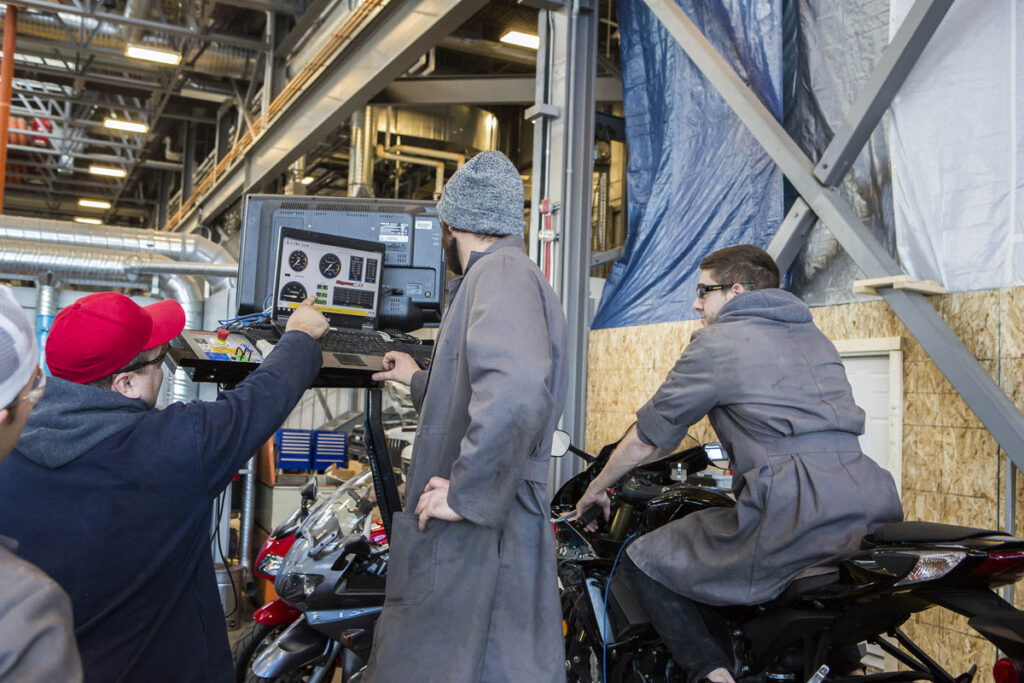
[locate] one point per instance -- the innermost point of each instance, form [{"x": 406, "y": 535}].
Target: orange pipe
[{"x": 6, "y": 82}]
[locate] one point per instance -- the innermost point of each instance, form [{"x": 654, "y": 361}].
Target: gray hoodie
[{"x": 74, "y": 419}]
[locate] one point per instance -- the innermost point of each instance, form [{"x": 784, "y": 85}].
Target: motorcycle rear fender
[
  {"x": 987, "y": 613},
  {"x": 297, "y": 646},
  {"x": 277, "y": 612}
]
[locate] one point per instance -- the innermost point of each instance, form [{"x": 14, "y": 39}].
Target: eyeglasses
[
  {"x": 135, "y": 367},
  {"x": 36, "y": 391},
  {"x": 704, "y": 289}
]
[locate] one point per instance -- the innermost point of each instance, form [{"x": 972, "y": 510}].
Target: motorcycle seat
[
  {"x": 925, "y": 532},
  {"x": 808, "y": 580}
]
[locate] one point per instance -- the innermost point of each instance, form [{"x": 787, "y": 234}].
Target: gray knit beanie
[{"x": 485, "y": 196}]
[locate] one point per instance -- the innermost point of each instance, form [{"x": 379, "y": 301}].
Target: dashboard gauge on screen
[
  {"x": 330, "y": 266},
  {"x": 298, "y": 261},
  {"x": 293, "y": 291}
]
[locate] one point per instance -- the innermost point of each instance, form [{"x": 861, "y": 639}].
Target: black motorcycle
[
  {"x": 334, "y": 574},
  {"x": 902, "y": 569}
]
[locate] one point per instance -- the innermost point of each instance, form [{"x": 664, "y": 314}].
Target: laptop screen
[{"x": 343, "y": 274}]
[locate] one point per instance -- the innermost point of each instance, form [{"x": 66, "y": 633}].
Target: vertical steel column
[
  {"x": 6, "y": 82},
  {"x": 564, "y": 179},
  {"x": 1009, "y": 511},
  {"x": 362, "y": 142},
  {"x": 163, "y": 198},
  {"x": 188, "y": 161}
]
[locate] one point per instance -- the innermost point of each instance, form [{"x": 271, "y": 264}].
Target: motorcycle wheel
[{"x": 253, "y": 640}]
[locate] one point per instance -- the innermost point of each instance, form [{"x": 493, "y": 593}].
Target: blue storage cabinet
[
  {"x": 294, "y": 449},
  {"x": 330, "y": 448}
]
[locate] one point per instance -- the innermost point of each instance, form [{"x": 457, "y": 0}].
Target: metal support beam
[
  {"x": 790, "y": 238},
  {"x": 6, "y": 86},
  {"x": 155, "y": 26},
  {"x": 473, "y": 90},
  {"x": 892, "y": 69},
  {"x": 563, "y": 179},
  {"x": 1009, "y": 511},
  {"x": 384, "y": 50},
  {"x": 964, "y": 372}
]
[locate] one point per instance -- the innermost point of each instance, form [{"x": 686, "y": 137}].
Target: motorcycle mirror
[
  {"x": 715, "y": 451},
  {"x": 308, "y": 492},
  {"x": 560, "y": 443}
]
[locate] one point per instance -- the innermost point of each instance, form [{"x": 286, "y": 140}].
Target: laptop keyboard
[
  {"x": 345, "y": 342},
  {"x": 340, "y": 341}
]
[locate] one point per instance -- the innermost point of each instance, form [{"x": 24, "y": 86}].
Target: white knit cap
[{"x": 19, "y": 354}]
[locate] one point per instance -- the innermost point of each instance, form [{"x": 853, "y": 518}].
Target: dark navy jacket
[{"x": 112, "y": 499}]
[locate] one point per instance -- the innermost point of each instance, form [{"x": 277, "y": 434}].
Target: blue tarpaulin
[{"x": 697, "y": 180}]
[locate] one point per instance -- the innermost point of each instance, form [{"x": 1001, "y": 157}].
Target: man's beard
[{"x": 451, "y": 251}]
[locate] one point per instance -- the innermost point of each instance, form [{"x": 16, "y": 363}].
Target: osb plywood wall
[{"x": 953, "y": 469}]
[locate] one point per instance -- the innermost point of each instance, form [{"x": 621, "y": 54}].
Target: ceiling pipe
[
  {"x": 215, "y": 59},
  {"x": 459, "y": 159},
  {"x": 420, "y": 161},
  {"x": 181, "y": 247},
  {"x": 73, "y": 265}
]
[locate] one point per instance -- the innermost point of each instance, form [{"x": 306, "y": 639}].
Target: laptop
[{"x": 344, "y": 275}]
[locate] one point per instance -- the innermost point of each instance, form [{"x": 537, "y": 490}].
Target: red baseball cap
[{"x": 101, "y": 333}]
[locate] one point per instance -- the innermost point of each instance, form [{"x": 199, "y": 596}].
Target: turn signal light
[{"x": 1007, "y": 671}]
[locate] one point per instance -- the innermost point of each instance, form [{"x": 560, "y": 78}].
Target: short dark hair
[
  {"x": 743, "y": 263},
  {"x": 131, "y": 366}
]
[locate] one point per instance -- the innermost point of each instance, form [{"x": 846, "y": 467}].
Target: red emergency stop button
[{"x": 222, "y": 334}]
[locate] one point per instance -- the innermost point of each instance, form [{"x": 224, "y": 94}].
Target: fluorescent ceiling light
[
  {"x": 521, "y": 39},
  {"x": 307, "y": 180},
  {"x": 152, "y": 54},
  {"x": 111, "y": 171},
  {"x": 129, "y": 126},
  {"x": 94, "y": 203},
  {"x": 90, "y": 221}
]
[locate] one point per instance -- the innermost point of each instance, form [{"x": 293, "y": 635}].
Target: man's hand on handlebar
[{"x": 594, "y": 496}]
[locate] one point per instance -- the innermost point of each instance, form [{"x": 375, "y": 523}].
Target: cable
[
  {"x": 607, "y": 590},
  {"x": 220, "y": 549}
]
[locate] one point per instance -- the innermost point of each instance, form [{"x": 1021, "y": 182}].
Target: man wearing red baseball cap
[{"x": 112, "y": 497}]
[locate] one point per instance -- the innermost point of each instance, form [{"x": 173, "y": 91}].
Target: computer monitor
[
  {"x": 413, "y": 276},
  {"x": 343, "y": 274}
]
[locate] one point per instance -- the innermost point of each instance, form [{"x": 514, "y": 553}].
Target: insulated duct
[
  {"x": 195, "y": 250},
  {"x": 73, "y": 264},
  {"x": 360, "y": 165},
  {"x": 214, "y": 59}
]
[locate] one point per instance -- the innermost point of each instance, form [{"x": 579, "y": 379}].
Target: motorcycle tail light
[
  {"x": 268, "y": 566},
  {"x": 932, "y": 565},
  {"x": 1007, "y": 671},
  {"x": 1001, "y": 562}
]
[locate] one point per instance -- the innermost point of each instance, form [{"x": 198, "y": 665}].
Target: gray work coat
[
  {"x": 777, "y": 395},
  {"x": 37, "y": 636},
  {"x": 477, "y": 600}
]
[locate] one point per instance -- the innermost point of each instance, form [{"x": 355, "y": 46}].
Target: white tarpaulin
[{"x": 956, "y": 136}]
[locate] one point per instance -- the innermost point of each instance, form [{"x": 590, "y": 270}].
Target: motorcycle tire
[{"x": 252, "y": 641}]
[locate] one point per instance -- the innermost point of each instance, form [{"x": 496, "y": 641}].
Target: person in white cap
[{"x": 36, "y": 634}]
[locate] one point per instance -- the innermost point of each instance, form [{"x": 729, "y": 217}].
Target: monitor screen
[
  {"x": 412, "y": 274},
  {"x": 343, "y": 274}
]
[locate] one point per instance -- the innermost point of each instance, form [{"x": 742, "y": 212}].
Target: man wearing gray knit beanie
[{"x": 472, "y": 582}]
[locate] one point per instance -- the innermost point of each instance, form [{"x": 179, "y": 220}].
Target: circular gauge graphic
[
  {"x": 298, "y": 260},
  {"x": 293, "y": 291},
  {"x": 330, "y": 265}
]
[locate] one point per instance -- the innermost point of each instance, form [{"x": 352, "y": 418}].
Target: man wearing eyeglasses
[
  {"x": 112, "y": 497},
  {"x": 37, "y": 640},
  {"x": 778, "y": 398}
]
